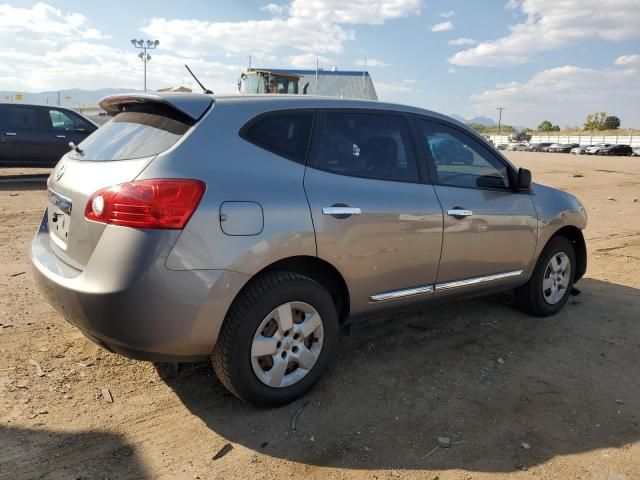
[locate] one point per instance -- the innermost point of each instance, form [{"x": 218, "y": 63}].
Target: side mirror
[{"x": 523, "y": 181}]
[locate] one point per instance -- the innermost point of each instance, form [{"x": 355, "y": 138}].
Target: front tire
[
  {"x": 276, "y": 339},
  {"x": 551, "y": 283}
]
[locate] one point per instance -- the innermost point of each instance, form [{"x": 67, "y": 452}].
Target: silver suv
[{"x": 250, "y": 229}]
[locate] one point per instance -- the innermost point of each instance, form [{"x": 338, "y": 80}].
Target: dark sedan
[
  {"x": 566, "y": 148},
  {"x": 39, "y": 134},
  {"x": 620, "y": 150},
  {"x": 537, "y": 147}
]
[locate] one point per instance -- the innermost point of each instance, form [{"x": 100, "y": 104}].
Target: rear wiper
[{"x": 75, "y": 148}]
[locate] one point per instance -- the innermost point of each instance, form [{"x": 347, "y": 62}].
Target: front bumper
[{"x": 130, "y": 303}]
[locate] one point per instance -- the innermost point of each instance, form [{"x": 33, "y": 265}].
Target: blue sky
[{"x": 540, "y": 59}]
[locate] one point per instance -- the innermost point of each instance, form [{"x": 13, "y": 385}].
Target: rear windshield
[{"x": 134, "y": 134}]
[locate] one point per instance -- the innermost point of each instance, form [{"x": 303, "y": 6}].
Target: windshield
[{"x": 133, "y": 134}]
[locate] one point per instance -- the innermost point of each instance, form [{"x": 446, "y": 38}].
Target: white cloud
[
  {"x": 372, "y": 12},
  {"x": 553, "y": 24},
  {"x": 309, "y": 27},
  {"x": 628, "y": 60},
  {"x": 463, "y": 41},
  {"x": 275, "y": 9},
  {"x": 308, "y": 60},
  {"x": 372, "y": 62},
  {"x": 42, "y": 26},
  {"x": 448, "y": 14},
  {"x": 513, "y": 4},
  {"x": 403, "y": 91},
  {"x": 565, "y": 95},
  {"x": 390, "y": 88},
  {"x": 442, "y": 27},
  {"x": 62, "y": 49},
  {"x": 91, "y": 66},
  {"x": 451, "y": 70},
  {"x": 199, "y": 37}
]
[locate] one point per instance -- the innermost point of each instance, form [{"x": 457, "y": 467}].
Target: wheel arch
[
  {"x": 575, "y": 236},
  {"x": 322, "y": 272}
]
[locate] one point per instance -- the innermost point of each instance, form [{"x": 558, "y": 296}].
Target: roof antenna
[{"x": 205, "y": 90}]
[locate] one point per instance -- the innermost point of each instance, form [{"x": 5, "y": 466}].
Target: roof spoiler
[{"x": 192, "y": 105}]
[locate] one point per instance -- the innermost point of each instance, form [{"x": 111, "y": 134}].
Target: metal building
[{"x": 332, "y": 83}]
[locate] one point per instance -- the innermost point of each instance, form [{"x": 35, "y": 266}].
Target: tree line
[{"x": 594, "y": 121}]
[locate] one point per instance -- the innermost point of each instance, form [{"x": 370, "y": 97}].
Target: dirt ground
[{"x": 478, "y": 371}]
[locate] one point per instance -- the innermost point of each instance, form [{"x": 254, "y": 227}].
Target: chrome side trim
[
  {"x": 477, "y": 280},
  {"x": 396, "y": 294}
]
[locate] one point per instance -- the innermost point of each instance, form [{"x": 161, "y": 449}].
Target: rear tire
[
  {"x": 280, "y": 307},
  {"x": 548, "y": 289}
]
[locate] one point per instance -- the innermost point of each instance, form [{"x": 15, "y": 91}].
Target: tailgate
[
  {"x": 72, "y": 237},
  {"x": 144, "y": 126}
]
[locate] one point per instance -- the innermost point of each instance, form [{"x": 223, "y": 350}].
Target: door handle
[
  {"x": 459, "y": 212},
  {"x": 10, "y": 134},
  {"x": 341, "y": 211},
  {"x": 61, "y": 136}
]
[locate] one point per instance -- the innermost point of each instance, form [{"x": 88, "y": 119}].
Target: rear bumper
[{"x": 130, "y": 303}]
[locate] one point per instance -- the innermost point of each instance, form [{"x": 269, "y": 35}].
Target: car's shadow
[
  {"x": 23, "y": 183},
  {"x": 105, "y": 449},
  {"x": 479, "y": 372}
]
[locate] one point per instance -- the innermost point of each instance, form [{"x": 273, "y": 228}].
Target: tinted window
[
  {"x": 22, "y": 118},
  {"x": 133, "y": 135},
  {"x": 367, "y": 145},
  {"x": 460, "y": 160},
  {"x": 283, "y": 133}
]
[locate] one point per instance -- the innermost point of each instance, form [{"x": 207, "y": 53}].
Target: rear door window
[
  {"x": 134, "y": 134},
  {"x": 285, "y": 133},
  {"x": 368, "y": 145},
  {"x": 23, "y": 119}
]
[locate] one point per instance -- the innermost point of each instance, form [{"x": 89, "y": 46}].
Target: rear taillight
[{"x": 158, "y": 203}]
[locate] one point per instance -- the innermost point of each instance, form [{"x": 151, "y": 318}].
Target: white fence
[{"x": 633, "y": 140}]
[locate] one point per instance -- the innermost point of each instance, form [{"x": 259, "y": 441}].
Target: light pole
[
  {"x": 499, "y": 120},
  {"x": 143, "y": 55}
]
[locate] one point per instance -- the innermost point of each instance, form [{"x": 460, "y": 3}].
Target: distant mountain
[
  {"x": 486, "y": 121},
  {"x": 68, "y": 98}
]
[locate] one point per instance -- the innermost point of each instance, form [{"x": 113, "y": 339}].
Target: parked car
[
  {"x": 553, "y": 148},
  {"x": 636, "y": 152},
  {"x": 580, "y": 150},
  {"x": 519, "y": 147},
  {"x": 593, "y": 150},
  {"x": 38, "y": 134},
  {"x": 566, "y": 148},
  {"x": 538, "y": 147},
  {"x": 620, "y": 150},
  {"x": 249, "y": 229},
  {"x": 502, "y": 146}
]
